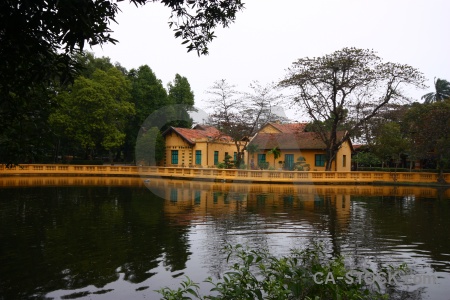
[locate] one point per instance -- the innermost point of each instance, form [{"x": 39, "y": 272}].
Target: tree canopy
[
  {"x": 41, "y": 45},
  {"x": 95, "y": 111},
  {"x": 39, "y": 38},
  {"x": 441, "y": 93},
  {"x": 428, "y": 126},
  {"x": 347, "y": 86},
  {"x": 181, "y": 94}
]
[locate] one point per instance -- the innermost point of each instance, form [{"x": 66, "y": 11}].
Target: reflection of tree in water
[
  {"x": 378, "y": 220},
  {"x": 69, "y": 238},
  {"x": 233, "y": 225},
  {"x": 253, "y": 220},
  {"x": 382, "y": 225}
]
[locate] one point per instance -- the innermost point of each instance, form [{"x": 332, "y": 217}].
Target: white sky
[{"x": 271, "y": 34}]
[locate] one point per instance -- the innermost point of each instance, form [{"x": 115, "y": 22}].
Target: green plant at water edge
[
  {"x": 187, "y": 287},
  {"x": 256, "y": 274}
]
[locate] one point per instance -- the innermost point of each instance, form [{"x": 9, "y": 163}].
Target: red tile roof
[
  {"x": 290, "y": 141},
  {"x": 198, "y": 132},
  {"x": 290, "y": 128}
]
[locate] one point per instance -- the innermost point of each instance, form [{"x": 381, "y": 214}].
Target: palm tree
[
  {"x": 442, "y": 87},
  {"x": 276, "y": 153}
]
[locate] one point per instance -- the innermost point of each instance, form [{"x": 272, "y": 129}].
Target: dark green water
[{"x": 116, "y": 242}]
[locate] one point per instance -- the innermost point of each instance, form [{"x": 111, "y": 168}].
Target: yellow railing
[{"x": 224, "y": 174}]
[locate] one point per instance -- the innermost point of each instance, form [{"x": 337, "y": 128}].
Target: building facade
[
  {"x": 202, "y": 146},
  {"x": 297, "y": 149}
]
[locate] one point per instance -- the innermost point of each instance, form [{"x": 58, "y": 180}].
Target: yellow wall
[
  {"x": 268, "y": 128},
  {"x": 186, "y": 152},
  {"x": 175, "y": 142},
  {"x": 343, "y": 158},
  {"x": 309, "y": 155}
]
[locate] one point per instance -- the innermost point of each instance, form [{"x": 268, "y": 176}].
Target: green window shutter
[
  {"x": 174, "y": 157},
  {"x": 216, "y": 157},
  {"x": 320, "y": 160},
  {"x": 198, "y": 157}
]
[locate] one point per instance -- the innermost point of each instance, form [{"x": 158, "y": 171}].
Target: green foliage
[
  {"x": 256, "y": 274},
  {"x": 227, "y": 163},
  {"x": 242, "y": 167},
  {"x": 147, "y": 95},
  {"x": 366, "y": 159},
  {"x": 276, "y": 153},
  {"x": 221, "y": 165},
  {"x": 301, "y": 164},
  {"x": 187, "y": 287},
  {"x": 95, "y": 111},
  {"x": 428, "y": 126},
  {"x": 263, "y": 165},
  {"x": 41, "y": 49},
  {"x": 390, "y": 142},
  {"x": 25, "y": 135},
  {"x": 441, "y": 93},
  {"x": 40, "y": 37},
  {"x": 89, "y": 63},
  {"x": 180, "y": 93},
  {"x": 150, "y": 147}
]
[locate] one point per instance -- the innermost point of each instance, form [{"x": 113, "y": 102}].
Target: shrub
[
  {"x": 242, "y": 167},
  {"x": 221, "y": 165},
  {"x": 263, "y": 165},
  {"x": 258, "y": 275}
]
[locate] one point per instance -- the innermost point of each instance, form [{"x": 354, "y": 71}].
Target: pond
[{"x": 123, "y": 238}]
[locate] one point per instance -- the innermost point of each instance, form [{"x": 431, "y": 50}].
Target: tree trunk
[{"x": 330, "y": 157}]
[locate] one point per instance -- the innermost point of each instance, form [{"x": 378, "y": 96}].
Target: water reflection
[{"x": 113, "y": 238}]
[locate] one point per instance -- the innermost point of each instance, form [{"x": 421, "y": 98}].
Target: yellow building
[
  {"x": 294, "y": 143},
  {"x": 201, "y": 146}
]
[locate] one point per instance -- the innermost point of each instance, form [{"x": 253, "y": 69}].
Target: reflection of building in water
[
  {"x": 252, "y": 188},
  {"x": 215, "y": 199}
]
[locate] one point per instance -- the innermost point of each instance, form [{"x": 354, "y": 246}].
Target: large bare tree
[
  {"x": 240, "y": 115},
  {"x": 347, "y": 87}
]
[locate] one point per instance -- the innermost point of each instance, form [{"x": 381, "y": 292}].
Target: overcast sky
[{"x": 271, "y": 34}]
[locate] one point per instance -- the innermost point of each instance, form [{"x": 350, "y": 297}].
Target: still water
[{"x": 123, "y": 238}]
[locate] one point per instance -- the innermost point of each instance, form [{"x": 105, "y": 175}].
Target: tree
[
  {"x": 150, "y": 146},
  {"x": 180, "y": 93},
  {"x": 442, "y": 91},
  {"x": 276, "y": 153},
  {"x": 390, "y": 143},
  {"x": 95, "y": 111},
  {"x": 240, "y": 117},
  {"x": 348, "y": 86},
  {"x": 365, "y": 159},
  {"x": 25, "y": 135},
  {"x": 39, "y": 37},
  {"x": 370, "y": 129},
  {"x": 428, "y": 126},
  {"x": 148, "y": 95},
  {"x": 251, "y": 150}
]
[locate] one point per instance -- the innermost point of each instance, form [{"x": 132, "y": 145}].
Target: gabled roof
[
  {"x": 198, "y": 132},
  {"x": 285, "y": 141},
  {"x": 287, "y": 128},
  {"x": 290, "y": 141}
]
